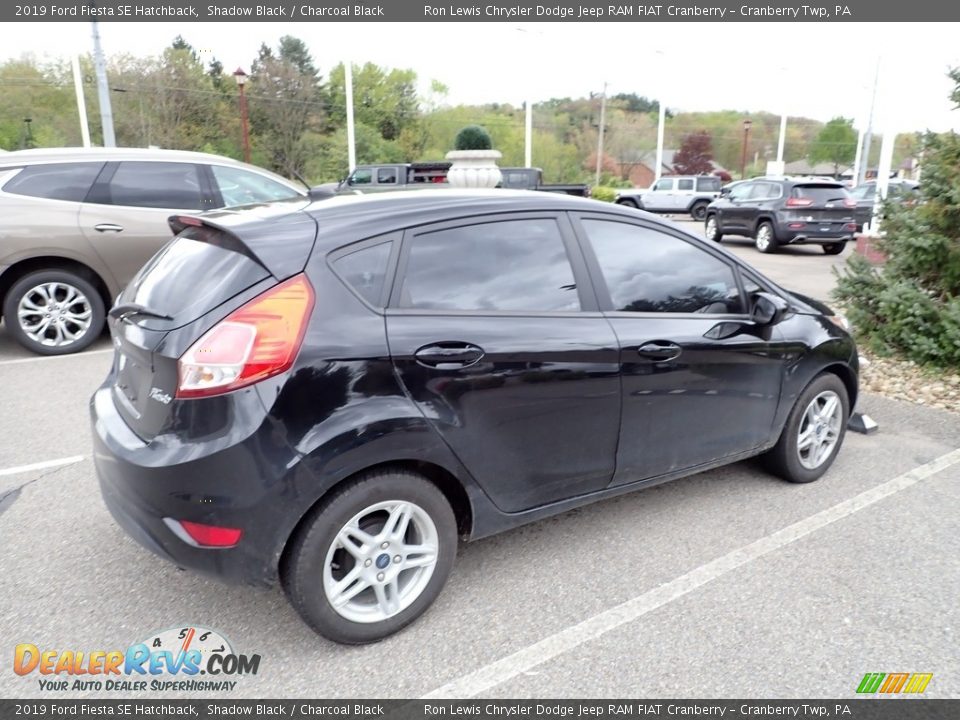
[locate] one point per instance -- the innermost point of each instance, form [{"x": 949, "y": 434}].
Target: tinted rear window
[
  {"x": 173, "y": 186},
  {"x": 820, "y": 193},
  {"x": 56, "y": 181},
  {"x": 190, "y": 277},
  {"x": 708, "y": 184},
  {"x": 365, "y": 271}
]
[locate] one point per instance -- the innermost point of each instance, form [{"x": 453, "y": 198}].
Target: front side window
[
  {"x": 664, "y": 184},
  {"x": 168, "y": 185},
  {"x": 242, "y": 187},
  {"x": 361, "y": 177},
  {"x": 55, "y": 181},
  {"x": 511, "y": 265},
  {"x": 649, "y": 271},
  {"x": 686, "y": 184}
]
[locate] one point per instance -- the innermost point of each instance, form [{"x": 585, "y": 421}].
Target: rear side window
[
  {"x": 708, "y": 184},
  {"x": 56, "y": 181},
  {"x": 820, "y": 193},
  {"x": 241, "y": 187},
  {"x": 387, "y": 176},
  {"x": 686, "y": 184},
  {"x": 650, "y": 271},
  {"x": 365, "y": 271},
  {"x": 514, "y": 265},
  {"x": 172, "y": 186}
]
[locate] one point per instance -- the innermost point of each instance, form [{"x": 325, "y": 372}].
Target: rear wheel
[
  {"x": 813, "y": 433},
  {"x": 628, "y": 202},
  {"x": 834, "y": 248},
  {"x": 764, "y": 239},
  {"x": 53, "y": 312},
  {"x": 712, "y": 229},
  {"x": 373, "y": 558},
  {"x": 699, "y": 211}
]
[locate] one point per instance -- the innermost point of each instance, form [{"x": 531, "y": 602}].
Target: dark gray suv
[{"x": 784, "y": 212}]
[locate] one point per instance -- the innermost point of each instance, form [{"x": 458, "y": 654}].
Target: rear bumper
[
  {"x": 240, "y": 486},
  {"x": 804, "y": 239}
]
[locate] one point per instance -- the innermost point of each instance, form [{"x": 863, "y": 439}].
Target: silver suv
[
  {"x": 677, "y": 194},
  {"x": 76, "y": 224}
]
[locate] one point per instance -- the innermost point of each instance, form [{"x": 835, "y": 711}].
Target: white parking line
[
  {"x": 54, "y": 357},
  {"x": 45, "y": 465},
  {"x": 550, "y": 647}
]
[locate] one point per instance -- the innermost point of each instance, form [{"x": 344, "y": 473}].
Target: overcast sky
[{"x": 815, "y": 70}]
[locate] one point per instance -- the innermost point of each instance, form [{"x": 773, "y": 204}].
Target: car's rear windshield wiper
[{"x": 122, "y": 312}]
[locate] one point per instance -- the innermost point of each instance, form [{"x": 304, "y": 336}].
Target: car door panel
[
  {"x": 691, "y": 394},
  {"x": 504, "y": 352}
]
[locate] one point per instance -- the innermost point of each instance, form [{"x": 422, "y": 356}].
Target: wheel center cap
[{"x": 383, "y": 560}]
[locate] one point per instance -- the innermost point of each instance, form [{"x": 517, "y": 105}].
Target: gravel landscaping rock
[{"x": 905, "y": 380}]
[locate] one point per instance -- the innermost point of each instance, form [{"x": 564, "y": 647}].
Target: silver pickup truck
[{"x": 677, "y": 194}]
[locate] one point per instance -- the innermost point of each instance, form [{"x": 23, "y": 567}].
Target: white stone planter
[{"x": 474, "y": 168}]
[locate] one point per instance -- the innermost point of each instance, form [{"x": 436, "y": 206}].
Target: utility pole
[
  {"x": 81, "y": 100},
  {"x": 868, "y": 135},
  {"x": 528, "y": 145},
  {"x": 660, "y": 125},
  {"x": 103, "y": 91},
  {"x": 603, "y": 120},
  {"x": 351, "y": 140}
]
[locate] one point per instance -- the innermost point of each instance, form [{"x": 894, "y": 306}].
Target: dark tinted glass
[
  {"x": 57, "y": 181},
  {"x": 518, "y": 265},
  {"x": 174, "y": 186},
  {"x": 821, "y": 193},
  {"x": 387, "y": 176},
  {"x": 685, "y": 184},
  {"x": 650, "y": 271},
  {"x": 708, "y": 184},
  {"x": 365, "y": 271}
]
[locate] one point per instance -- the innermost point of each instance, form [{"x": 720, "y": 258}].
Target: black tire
[
  {"x": 303, "y": 571},
  {"x": 89, "y": 301},
  {"x": 629, "y": 202},
  {"x": 765, "y": 238},
  {"x": 834, "y": 248},
  {"x": 784, "y": 459},
  {"x": 699, "y": 211},
  {"x": 712, "y": 231}
]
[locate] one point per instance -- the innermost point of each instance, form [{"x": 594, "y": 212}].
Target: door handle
[
  {"x": 108, "y": 227},
  {"x": 660, "y": 350},
  {"x": 449, "y": 355}
]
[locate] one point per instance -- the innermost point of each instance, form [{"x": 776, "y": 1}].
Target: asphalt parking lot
[{"x": 725, "y": 584}]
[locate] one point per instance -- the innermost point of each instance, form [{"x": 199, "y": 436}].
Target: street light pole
[
  {"x": 241, "y": 77},
  {"x": 743, "y": 155}
]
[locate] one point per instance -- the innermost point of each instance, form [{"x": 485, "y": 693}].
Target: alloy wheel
[
  {"x": 54, "y": 314},
  {"x": 381, "y": 561},
  {"x": 819, "y": 429},
  {"x": 764, "y": 238}
]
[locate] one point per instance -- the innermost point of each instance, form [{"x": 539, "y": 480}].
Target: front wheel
[
  {"x": 764, "y": 239},
  {"x": 834, "y": 248},
  {"x": 699, "y": 211},
  {"x": 712, "y": 229},
  {"x": 54, "y": 312},
  {"x": 372, "y": 558},
  {"x": 813, "y": 433}
]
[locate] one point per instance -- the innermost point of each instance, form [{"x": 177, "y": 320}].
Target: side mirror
[{"x": 768, "y": 309}]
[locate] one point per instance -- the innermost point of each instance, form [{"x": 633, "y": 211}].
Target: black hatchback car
[
  {"x": 331, "y": 394},
  {"x": 777, "y": 212}
]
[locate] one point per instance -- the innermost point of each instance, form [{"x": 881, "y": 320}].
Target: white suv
[{"x": 677, "y": 194}]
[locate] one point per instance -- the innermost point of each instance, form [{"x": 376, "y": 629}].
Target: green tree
[
  {"x": 836, "y": 143},
  {"x": 912, "y": 307}
]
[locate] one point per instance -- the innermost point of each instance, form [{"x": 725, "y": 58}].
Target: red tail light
[
  {"x": 255, "y": 342},
  {"x": 799, "y": 202},
  {"x": 212, "y": 535},
  {"x": 850, "y": 226},
  {"x": 849, "y": 202}
]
